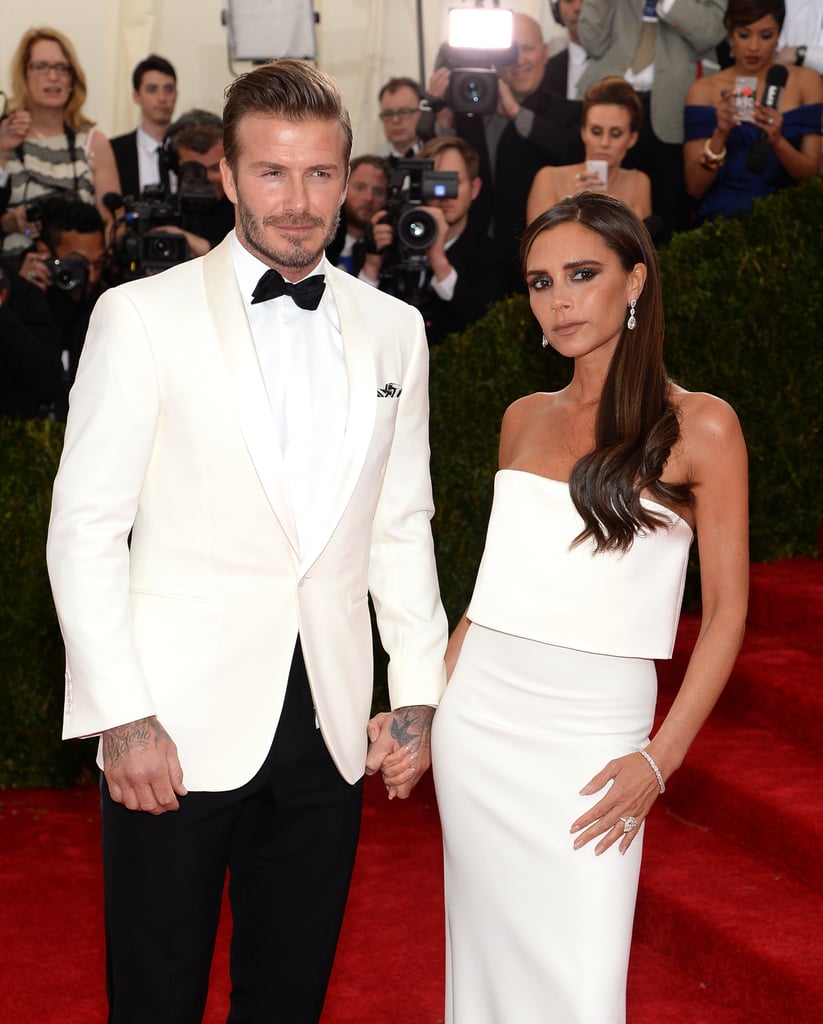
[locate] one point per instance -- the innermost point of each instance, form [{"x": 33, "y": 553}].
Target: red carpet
[{"x": 728, "y": 923}]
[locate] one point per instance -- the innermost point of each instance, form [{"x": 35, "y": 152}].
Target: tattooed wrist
[
  {"x": 412, "y": 725},
  {"x": 139, "y": 737}
]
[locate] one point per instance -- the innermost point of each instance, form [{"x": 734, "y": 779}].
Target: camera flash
[{"x": 480, "y": 29}]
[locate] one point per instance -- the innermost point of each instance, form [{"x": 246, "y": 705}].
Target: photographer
[
  {"x": 197, "y": 138},
  {"x": 530, "y": 127},
  {"x": 67, "y": 265},
  {"x": 462, "y": 271}
]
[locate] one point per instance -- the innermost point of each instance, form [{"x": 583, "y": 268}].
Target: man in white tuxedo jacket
[{"x": 240, "y": 471}]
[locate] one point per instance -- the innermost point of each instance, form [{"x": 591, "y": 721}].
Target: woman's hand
[
  {"x": 726, "y": 113},
  {"x": 13, "y": 130},
  {"x": 770, "y": 121},
  {"x": 628, "y": 801}
]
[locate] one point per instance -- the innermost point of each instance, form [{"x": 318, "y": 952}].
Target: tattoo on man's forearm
[
  {"x": 136, "y": 736},
  {"x": 411, "y": 727}
]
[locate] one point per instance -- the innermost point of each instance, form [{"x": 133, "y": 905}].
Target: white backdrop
[{"x": 361, "y": 43}]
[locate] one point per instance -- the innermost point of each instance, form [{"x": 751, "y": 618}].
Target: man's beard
[{"x": 297, "y": 256}]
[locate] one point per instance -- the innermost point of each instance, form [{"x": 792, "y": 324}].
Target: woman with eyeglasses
[{"x": 47, "y": 144}]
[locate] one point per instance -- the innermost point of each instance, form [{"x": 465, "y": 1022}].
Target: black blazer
[
  {"x": 482, "y": 275},
  {"x": 557, "y": 72},
  {"x": 555, "y": 139},
  {"x": 128, "y": 165}
]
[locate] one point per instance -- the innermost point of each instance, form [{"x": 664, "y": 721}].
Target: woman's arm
[
  {"x": 714, "y": 448},
  {"x": 714, "y": 452},
  {"x": 700, "y": 172},
  {"x": 642, "y": 204},
  {"x": 805, "y": 161},
  {"x": 106, "y": 177},
  {"x": 542, "y": 194}
]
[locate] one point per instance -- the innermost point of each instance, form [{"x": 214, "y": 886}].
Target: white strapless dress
[{"x": 555, "y": 678}]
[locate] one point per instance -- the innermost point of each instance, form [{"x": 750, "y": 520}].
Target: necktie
[
  {"x": 306, "y": 293},
  {"x": 644, "y": 53}
]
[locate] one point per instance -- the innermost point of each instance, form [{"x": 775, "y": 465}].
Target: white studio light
[{"x": 480, "y": 29}]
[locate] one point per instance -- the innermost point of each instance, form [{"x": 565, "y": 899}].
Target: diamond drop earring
[
  {"x": 631, "y": 323},
  {"x": 545, "y": 341}
]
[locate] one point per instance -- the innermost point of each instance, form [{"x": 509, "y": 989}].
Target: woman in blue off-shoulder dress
[
  {"x": 738, "y": 149},
  {"x": 544, "y": 768}
]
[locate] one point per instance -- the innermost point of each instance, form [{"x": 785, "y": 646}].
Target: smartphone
[
  {"x": 745, "y": 97},
  {"x": 601, "y": 169}
]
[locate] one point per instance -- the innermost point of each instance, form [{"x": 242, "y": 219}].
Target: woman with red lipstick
[
  {"x": 612, "y": 115},
  {"x": 731, "y": 160},
  {"x": 49, "y": 145},
  {"x": 544, "y": 768}
]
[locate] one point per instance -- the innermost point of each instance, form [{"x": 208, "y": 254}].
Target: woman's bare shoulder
[{"x": 705, "y": 419}]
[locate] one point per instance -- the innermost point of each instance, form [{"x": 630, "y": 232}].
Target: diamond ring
[{"x": 629, "y": 823}]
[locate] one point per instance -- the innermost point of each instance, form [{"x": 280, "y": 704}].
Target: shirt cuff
[
  {"x": 524, "y": 122},
  {"x": 368, "y": 280},
  {"x": 445, "y": 289},
  {"x": 664, "y": 6}
]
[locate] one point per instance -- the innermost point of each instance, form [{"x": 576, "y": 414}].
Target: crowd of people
[
  {"x": 640, "y": 104},
  {"x": 232, "y": 494}
]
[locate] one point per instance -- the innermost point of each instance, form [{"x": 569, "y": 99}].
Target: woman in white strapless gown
[{"x": 544, "y": 769}]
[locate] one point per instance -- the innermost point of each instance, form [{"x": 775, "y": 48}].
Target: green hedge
[{"x": 744, "y": 308}]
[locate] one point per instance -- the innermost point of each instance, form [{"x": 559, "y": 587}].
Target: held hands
[
  {"x": 142, "y": 768},
  {"x": 400, "y": 748},
  {"x": 633, "y": 791}
]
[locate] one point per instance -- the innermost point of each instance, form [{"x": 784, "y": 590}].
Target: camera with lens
[
  {"x": 68, "y": 272},
  {"x": 480, "y": 43},
  {"x": 413, "y": 183},
  {"x": 143, "y": 249}
]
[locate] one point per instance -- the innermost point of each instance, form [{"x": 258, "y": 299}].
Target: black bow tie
[{"x": 306, "y": 293}]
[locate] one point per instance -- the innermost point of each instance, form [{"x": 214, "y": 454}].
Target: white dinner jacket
[{"x": 170, "y": 436}]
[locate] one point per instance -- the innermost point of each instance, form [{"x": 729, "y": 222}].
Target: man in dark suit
[
  {"x": 532, "y": 127},
  {"x": 564, "y": 69},
  {"x": 137, "y": 153},
  {"x": 365, "y": 194},
  {"x": 465, "y": 270}
]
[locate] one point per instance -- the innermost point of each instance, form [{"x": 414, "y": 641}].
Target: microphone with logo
[{"x": 758, "y": 158}]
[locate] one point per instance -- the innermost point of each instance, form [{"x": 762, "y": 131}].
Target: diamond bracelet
[{"x": 661, "y": 785}]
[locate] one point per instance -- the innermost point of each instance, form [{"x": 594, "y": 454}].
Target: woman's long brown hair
[{"x": 636, "y": 425}]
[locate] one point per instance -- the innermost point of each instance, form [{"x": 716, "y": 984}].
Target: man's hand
[
  {"x": 400, "y": 747},
  {"x": 142, "y": 768},
  {"x": 507, "y": 105}
]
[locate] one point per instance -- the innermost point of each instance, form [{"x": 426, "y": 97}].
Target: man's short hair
[
  {"x": 59, "y": 215},
  {"x": 152, "y": 63},
  {"x": 394, "y": 84},
  {"x": 292, "y": 90},
  {"x": 374, "y": 161},
  {"x": 198, "y": 130},
  {"x": 434, "y": 147}
]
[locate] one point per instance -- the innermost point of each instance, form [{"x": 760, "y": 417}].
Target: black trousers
[{"x": 287, "y": 839}]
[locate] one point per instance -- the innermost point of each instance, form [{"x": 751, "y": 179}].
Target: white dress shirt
[
  {"x": 303, "y": 364},
  {"x": 148, "y": 164}
]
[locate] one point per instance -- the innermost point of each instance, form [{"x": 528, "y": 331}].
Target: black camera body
[
  {"x": 68, "y": 272},
  {"x": 413, "y": 183},
  {"x": 472, "y": 85},
  {"x": 144, "y": 250}
]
